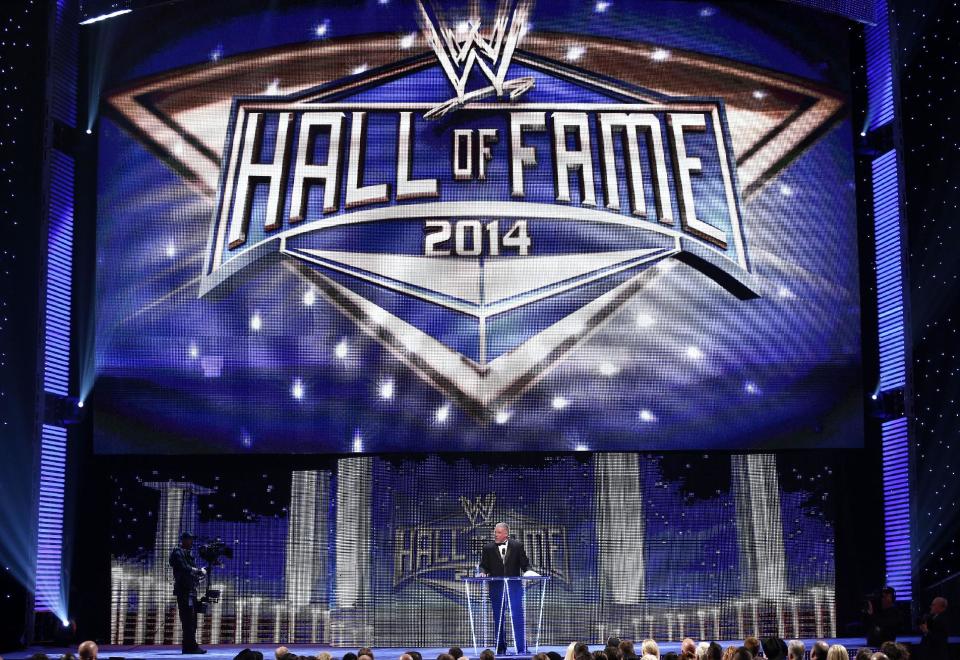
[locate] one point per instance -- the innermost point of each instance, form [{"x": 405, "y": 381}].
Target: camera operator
[
  {"x": 883, "y": 620},
  {"x": 185, "y": 577}
]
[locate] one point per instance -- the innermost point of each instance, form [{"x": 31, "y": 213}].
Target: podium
[{"x": 478, "y": 588}]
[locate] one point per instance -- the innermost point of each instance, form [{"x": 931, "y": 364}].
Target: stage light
[
  {"x": 575, "y": 52},
  {"x": 442, "y": 414},
  {"x": 357, "y": 441},
  {"x": 502, "y": 416},
  {"x": 863, "y": 134},
  {"x": 171, "y": 251},
  {"x": 786, "y": 190},
  {"x": 357, "y": 70},
  {"x": 608, "y": 369},
  {"x": 601, "y": 6},
  {"x": 645, "y": 320},
  {"x": 660, "y": 55},
  {"x": 559, "y": 403},
  {"x": 309, "y": 297},
  {"x": 874, "y": 396},
  {"x": 89, "y": 131},
  {"x": 647, "y": 416},
  {"x": 194, "y": 351},
  {"x": 385, "y": 388},
  {"x": 296, "y": 390},
  {"x": 759, "y": 94},
  {"x": 103, "y": 17},
  {"x": 321, "y": 29},
  {"x": 406, "y": 41},
  {"x": 80, "y": 404},
  {"x": 256, "y": 322},
  {"x": 750, "y": 388},
  {"x": 342, "y": 349},
  {"x": 694, "y": 353}
]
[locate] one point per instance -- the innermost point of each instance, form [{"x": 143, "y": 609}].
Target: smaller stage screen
[
  {"x": 372, "y": 551},
  {"x": 476, "y": 226}
]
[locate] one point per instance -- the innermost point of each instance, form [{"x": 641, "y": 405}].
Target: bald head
[
  {"x": 688, "y": 647},
  {"x": 938, "y": 605},
  {"x": 88, "y": 650},
  {"x": 281, "y": 652}
]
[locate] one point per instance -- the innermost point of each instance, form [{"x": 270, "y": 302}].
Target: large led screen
[{"x": 385, "y": 226}]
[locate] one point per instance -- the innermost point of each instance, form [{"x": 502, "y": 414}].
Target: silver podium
[{"x": 480, "y": 585}]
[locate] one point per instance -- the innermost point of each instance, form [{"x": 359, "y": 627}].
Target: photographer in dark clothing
[
  {"x": 185, "y": 577},
  {"x": 883, "y": 622}
]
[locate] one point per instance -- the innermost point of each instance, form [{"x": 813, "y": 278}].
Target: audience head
[
  {"x": 613, "y": 640},
  {"x": 796, "y": 650},
  {"x": 752, "y": 644},
  {"x": 647, "y": 656},
  {"x": 890, "y": 650},
  {"x": 879, "y": 656},
  {"x": 649, "y": 647},
  {"x": 838, "y": 652},
  {"x": 416, "y": 655},
  {"x": 887, "y": 597},
  {"x": 364, "y": 656},
  {"x": 553, "y": 655},
  {"x": 702, "y": 649},
  {"x": 541, "y": 656},
  {"x": 456, "y": 652},
  {"x": 742, "y": 653},
  {"x": 688, "y": 648},
  {"x": 864, "y": 653},
  {"x": 599, "y": 655},
  {"x": 903, "y": 650},
  {"x": 367, "y": 651},
  {"x": 39, "y": 656},
  {"x": 68, "y": 656},
  {"x": 445, "y": 656},
  {"x": 349, "y": 655},
  {"x": 670, "y": 656},
  {"x": 626, "y": 648},
  {"x": 282, "y": 652},
  {"x": 323, "y": 655},
  {"x": 819, "y": 651},
  {"x": 487, "y": 654},
  {"x": 406, "y": 656},
  {"x": 728, "y": 652},
  {"x": 938, "y": 605},
  {"x": 88, "y": 650},
  {"x": 774, "y": 648},
  {"x": 714, "y": 652}
]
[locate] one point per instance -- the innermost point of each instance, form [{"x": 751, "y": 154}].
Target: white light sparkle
[
  {"x": 407, "y": 40},
  {"x": 171, "y": 251},
  {"x": 194, "y": 351},
  {"x": 357, "y": 441},
  {"x": 750, "y": 387},
  {"x": 502, "y": 416},
  {"x": 694, "y": 353},
  {"x": 360, "y": 68},
  {"x": 660, "y": 55},
  {"x": 321, "y": 29},
  {"x": 256, "y": 322},
  {"x": 786, "y": 190},
  {"x": 707, "y": 12},
  {"x": 575, "y": 52},
  {"x": 342, "y": 349},
  {"x": 608, "y": 369},
  {"x": 581, "y": 447},
  {"x": 645, "y": 320},
  {"x": 296, "y": 390},
  {"x": 273, "y": 88},
  {"x": 385, "y": 388},
  {"x": 442, "y": 414},
  {"x": 559, "y": 403},
  {"x": 601, "y": 6},
  {"x": 647, "y": 416},
  {"x": 309, "y": 297},
  {"x": 759, "y": 94}
]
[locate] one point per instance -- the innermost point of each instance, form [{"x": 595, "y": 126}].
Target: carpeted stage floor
[{"x": 228, "y": 652}]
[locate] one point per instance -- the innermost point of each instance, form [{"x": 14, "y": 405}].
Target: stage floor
[{"x": 228, "y": 652}]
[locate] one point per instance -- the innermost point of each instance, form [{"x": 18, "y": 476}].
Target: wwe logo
[
  {"x": 479, "y": 510},
  {"x": 461, "y": 47}
]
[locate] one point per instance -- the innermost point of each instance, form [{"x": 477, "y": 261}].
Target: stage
[{"x": 229, "y": 651}]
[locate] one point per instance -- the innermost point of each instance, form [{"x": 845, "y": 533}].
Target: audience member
[
  {"x": 68, "y": 656},
  {"x": 626, "y": 649},
  {"x": 487, "y": 654},
  {"x": 728, "y": 652},
  {"x": 323, "y": 655},
  {"x": 670, "y": 656},
  {"x": 364, "y": 657},
  {"x": 702, "y": 649},
  {"x": 837, "y": 652},
  {"x": 890, "y": 650},
  {"x": 752, "y": 644},
  {"x": 444, "y": 656},
  {"x": 714, "y": 652},
  {"x": 456, "y": 652},
  {"x": 864, "y": 653},
  {"x": 647, "y": 656},
  {"x": 688, "y": 649},
  {"x": 774, "y": 648},
  {"x": 599, "y": 655},
  {"x": 879, "y": 656},
  {"x": 367, "y": 651},
  {"x": 349, "y": 655},
  {"x": 282, "y": 652},
  {"x": 742, "y": 653},
  {"x": 934, "y": 643},
  {"x": 883, "y": 621},
  {"x": 553, "y": 655},
  {"x": 540, "y": 656},
  {"x": 796, "y": 650},
  {"x": 649, "y": 647},
  {"x": 819, "y": 651},
  {"x": 88, "y": 650}
]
